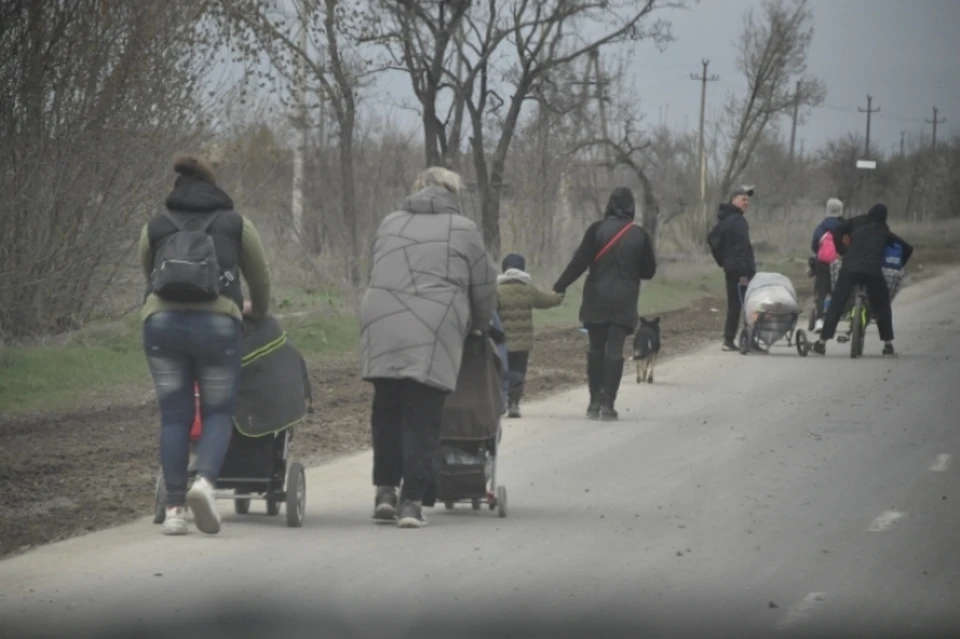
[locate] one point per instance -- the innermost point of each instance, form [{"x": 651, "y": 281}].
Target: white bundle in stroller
[{"x": 769, "y": 294}]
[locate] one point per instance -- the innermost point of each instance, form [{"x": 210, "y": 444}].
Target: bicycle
[{"x": 859, "y": 320}]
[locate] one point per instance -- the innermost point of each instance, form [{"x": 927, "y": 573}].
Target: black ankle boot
[
  {"x": 610, "y": 386},
  {"x": 595, "y": 363}
]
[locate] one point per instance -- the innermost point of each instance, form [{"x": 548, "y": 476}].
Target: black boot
[
  {"x": 595, "y": 363},
  {"x": 513, "y": 406},
  {"x": 610, "y": 386}
]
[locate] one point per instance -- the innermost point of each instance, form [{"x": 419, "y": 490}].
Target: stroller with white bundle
[{"x": 770, "y": 313}]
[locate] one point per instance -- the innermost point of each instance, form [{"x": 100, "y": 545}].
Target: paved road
[{"x": 760, "y": 495}]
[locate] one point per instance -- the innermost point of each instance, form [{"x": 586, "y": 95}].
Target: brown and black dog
[{"x": 646, "y": 348}]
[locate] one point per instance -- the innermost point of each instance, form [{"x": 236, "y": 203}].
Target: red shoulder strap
[{"x": 609, "y": 245}]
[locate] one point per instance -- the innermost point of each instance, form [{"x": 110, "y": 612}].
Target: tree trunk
[
  {"x": 431, "y": 131},
  {"x": 490, "y": 218},
  {"x": 349, "y": 197}
]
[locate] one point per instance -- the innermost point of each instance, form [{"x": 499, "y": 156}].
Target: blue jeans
[{"x": 184, "y": 347}]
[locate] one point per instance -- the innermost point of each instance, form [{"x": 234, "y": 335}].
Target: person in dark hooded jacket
[
  {"x": 863, "y": 264},
  {"x": 730, "y": 244},
  {"x": 618, "y": 254}
]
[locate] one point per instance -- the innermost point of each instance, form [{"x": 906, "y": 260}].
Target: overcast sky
[{"x": 905, "y": 53}]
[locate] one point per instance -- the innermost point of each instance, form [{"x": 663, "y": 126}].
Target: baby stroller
[
  {"x": 858, "y": 306},
  {"x": 770, "y": 313},
  {"x": 275, "y": 395},
  {"x": 466, "y": 464}
]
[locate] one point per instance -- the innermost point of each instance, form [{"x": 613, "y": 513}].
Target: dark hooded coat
[
  {"x": 612, "y": 289},
  {"x": 869, "y": 238},
  {"x": 730, "y": 242}
]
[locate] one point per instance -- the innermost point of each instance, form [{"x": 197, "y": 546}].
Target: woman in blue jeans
[{"x": 191, "y": 255}]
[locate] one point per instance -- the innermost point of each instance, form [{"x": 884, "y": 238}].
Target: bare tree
[
  {"x": 321, "y": 59},
  {"x": 773, "y": 56},
  {"x": 515, "y": 48},
  {"x": 421, "y": 39},
  {"x": 92, "y": 103}
]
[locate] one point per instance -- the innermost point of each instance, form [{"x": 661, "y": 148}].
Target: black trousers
[
  {"x": 821, "y": 286},
  {"x": 735, "y": 293},
  {"x": 517, "y": 363},
  {"x": 877, "y": 293},
  {"x": 405, "y": 424},
  {"x": 607, "y": 339}
]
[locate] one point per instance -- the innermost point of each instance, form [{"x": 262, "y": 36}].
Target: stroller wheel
[
  {"x": 273, "y": 507},
  {"x": 475, "y": 503},
  {"x": 502, "y": 501},
  {"x": 803, "y": 346},
  {"x": 296, "y": 495},
  {"x": 241, "y": 506},
  {"x": 159, "y": 502},
  {"x": 745, "y": 339}
]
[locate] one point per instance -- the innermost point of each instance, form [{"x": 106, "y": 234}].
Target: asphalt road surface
[{"x": 738, "y": 496}]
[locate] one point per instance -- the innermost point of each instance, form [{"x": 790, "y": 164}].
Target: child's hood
[{"x": 513, "y": 275}]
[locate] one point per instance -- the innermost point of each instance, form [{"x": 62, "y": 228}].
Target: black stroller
[
  {"x": 275, "y": 395},
  {"x": 466, "y": 465}
]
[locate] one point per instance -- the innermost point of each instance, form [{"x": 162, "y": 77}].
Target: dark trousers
[
  {"x": 183, "y": 348},
  {"x": 405, "y": 424},
  {"x": 607, "y": 339},
  {"x": 877, "y": 293},
  {"x": 821, "y": 286},
  {"x": 517, "y": 362},
  {"x": 735, "y": 293}
]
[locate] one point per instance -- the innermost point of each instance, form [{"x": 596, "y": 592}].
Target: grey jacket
[{"x": 432, "y": 283}]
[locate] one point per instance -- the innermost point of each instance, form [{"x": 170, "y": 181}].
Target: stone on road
[{"x": 737, "y": 496}]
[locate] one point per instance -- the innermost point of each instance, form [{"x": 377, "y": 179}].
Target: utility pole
[
  {"x": 600, "y": 96},
  {"x": 902, "y": 133},
  {"x": 793, "y": 129},
  {"x": 869, "y": 112},
  {"x": 935, "y": 122},
  {"x": 703, "y": 78}
]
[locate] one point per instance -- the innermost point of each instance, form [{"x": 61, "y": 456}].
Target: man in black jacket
[
  {"x": 862, "y": 264},
  {"x": 619, "y": 254},
  {"x": 731, "y": 247}
]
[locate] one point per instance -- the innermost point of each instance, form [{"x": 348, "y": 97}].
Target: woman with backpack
[
  {"x": 618, "y": 255},
  {"x": 192, "y": 255}
]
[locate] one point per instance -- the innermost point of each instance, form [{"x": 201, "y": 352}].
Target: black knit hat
[{"x": 514, "y": 260}]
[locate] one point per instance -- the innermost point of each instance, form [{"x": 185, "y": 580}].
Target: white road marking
[
  {"x": 885, "y": 520},
  {"x": 942, "y": 463},
  {"x": 802, "y": 610}
]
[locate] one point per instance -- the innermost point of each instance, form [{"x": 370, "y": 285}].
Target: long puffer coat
[{"x": 432, "y": 283}]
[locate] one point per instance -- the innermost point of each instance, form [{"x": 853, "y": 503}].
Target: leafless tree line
[{"x": 541, "y": 119}]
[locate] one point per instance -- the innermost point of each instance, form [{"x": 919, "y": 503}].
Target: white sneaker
[
  {"x": 818, "y": 326},
  {"x": 175, "y": 522},
  {"x": 203, "y": 504}
]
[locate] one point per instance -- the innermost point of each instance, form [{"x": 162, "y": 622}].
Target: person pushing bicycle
[{"x": 863, "y": 245}]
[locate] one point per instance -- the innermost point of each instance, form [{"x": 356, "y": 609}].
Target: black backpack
[
  {"x": 715, "y": 242},
  {"x": 185, "y": 267}
]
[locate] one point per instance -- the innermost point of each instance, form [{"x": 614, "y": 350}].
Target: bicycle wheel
[{"x": 856, "y": 337}]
